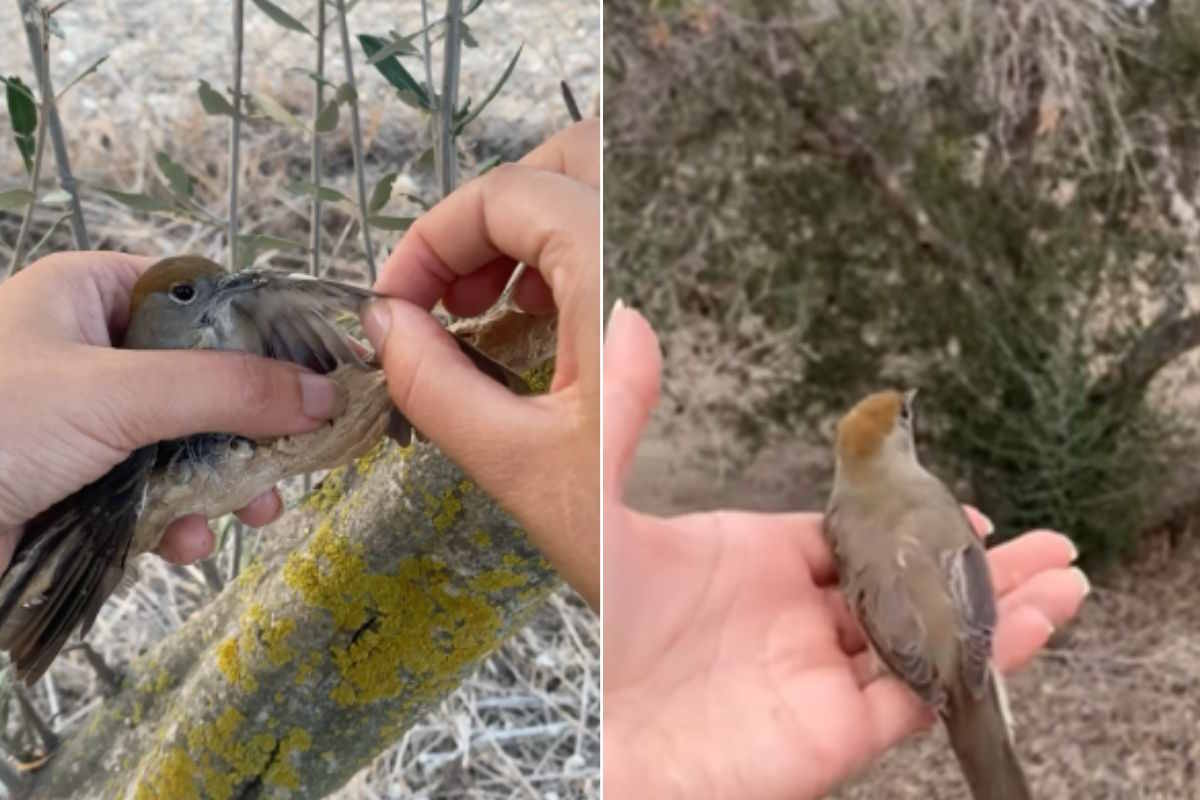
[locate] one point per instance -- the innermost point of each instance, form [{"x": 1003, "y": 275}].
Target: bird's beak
[{"x": 237, "y": 283}]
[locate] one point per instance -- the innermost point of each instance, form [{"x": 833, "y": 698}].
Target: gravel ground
[{"x": 527, "y": 723}]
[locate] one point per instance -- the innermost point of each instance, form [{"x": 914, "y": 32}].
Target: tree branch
[
  {"x": 366, "y": 606},
  {"x": 1167, "y": 338}
]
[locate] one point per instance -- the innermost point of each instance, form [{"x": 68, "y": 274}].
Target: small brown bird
[
  {"x": 916, "y": 576},
  {"x": 73, "y": 555}
]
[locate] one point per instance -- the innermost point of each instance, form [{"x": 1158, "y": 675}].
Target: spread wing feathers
[
  {"x": 69, "y": 560},
  {"x": 295, "y": 316},
  {"x": 970, "y": 584}
]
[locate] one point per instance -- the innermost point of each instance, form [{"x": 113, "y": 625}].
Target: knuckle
[{"x": 256, "y": 384}]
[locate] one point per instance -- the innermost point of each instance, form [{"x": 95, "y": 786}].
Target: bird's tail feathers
[{"x": 981, "y": 736}]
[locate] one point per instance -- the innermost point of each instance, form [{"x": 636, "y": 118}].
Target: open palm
[{"x": 732, "y": 666}]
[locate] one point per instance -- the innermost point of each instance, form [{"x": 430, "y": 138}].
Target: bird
[
  {"x": 72, "y": 556},
  {"x": 916, "y": 577}
]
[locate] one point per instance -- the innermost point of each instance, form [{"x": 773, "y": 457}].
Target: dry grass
[{"x": 526, "y": 724}]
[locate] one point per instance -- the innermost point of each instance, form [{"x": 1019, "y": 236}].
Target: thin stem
[
  {"x": 235, "y": 134},
  {"x": 315, "y": 165},
  {"x": 33, "y": 719},
  {"x": 49, "y": 111},
  {"x": 447, "y": 157},
  {"x": 356, "y": 142},
  {"x": 238, "y": 533},
  {"x": 433, "y": 98},
  {"x": 212, "y": 575},
  {"x": 109, "y": 678},
  {"x": 15, "y": 264}
]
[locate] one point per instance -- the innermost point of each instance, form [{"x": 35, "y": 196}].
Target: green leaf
[
  {"x": 281, "y": 17},
  {"x": 312, "y": 190},
  {"x": 14, "y": 199},
  {"x": 467, "y": 38},
  {"x": 345, "y": 93},
  {"x": 471, "y": 8},
  {"x": 327, "y": 120},
  {"x": 180, "y": 181},
  {"x": 382, "y": 192},
  {"x": 390, "y": 223},
  {"x": 399, "y": 45},
  {"x": 23, "y": 113},
  {"x": 512, "y": 63},
  {"x": 213, "y": 101},
  {"x": 140, "y": 202},
  {"x": 311, "y": 75},
  {"x": 94, "y": 65},
  {"x": 273, "y": 109},
  {"x": 393, "y": 71}
]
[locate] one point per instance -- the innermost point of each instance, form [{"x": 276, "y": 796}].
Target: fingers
[
  {"x": 979, "y": 521},
  {"x": 573, "y": 151},
  {"x": 154, "y": 395},
  {"x": 473, "y": 294},
  {"x": 546, "y": 219},
  {"x": 186, "y": 540},
  {"x": 632, "y": 371},
  {"x": 189, "y": 539},
  {"x": 262, "y": 510},
  {"x": 532, "y": 295},
  {"x": 472, "y": 418},
  {"x": 1019, "y": 559}
]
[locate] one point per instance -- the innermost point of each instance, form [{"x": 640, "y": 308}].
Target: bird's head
[
  {"x": 878, "y": 430},
  {"x": 168, "y": 301}
]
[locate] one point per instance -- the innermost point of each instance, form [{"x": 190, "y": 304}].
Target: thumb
[
  {"x": 469, "y": 416},
  {"x": 632, "y": 373},
  {"x": 166, "y": 394}
]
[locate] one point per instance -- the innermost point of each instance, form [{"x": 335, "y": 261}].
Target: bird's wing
[
  {"x": 296, "y": 316},
  {"x": 970, "y": 584},
  {"x": 68, "y": 561},
  {"x": 880, "y": 599}
]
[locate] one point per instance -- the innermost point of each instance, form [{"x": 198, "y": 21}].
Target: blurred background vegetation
[{"x": 995, "y": 203}]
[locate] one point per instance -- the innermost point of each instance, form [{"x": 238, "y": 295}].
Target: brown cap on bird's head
[
  {"x": 162, "y": 275},
  {"x": 861, "y": 432}
]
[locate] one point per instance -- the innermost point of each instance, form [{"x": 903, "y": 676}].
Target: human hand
[
  {"x": 538, "y": 456},
  {"x": 732, "y": 665},
  {"x": 74, "y": 407}
]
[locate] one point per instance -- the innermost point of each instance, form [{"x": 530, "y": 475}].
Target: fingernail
[
  {"x": 1074, "y": 550},
  {"x": 321, "y": 398},
  {"x": 377, "y": 320},
  {"x": 617, "y": 317},
  {"x": 991, "y": 526},
  {"x": 1087, "y": 585}
]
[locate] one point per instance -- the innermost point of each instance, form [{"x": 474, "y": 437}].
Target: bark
[{"x": 367, "y": 605}]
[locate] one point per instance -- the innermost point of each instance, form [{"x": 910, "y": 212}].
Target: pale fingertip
[
  {"x": 377, "y": 321},
  {"x": 1074, "y": 550},
  {"x": 1083, "y": 580},
  {"x": 187, "y": 540}
]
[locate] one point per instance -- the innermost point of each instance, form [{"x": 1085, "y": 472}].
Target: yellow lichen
[
  {"x": 481, "y": 538},
  {"x": 229, "y": 661},
  {"x": 282, "y": 772},
  {"x": 175, "y": 778},
  {"x": 252, "y": 573},
  {"x": 540, "y": 377},
  {"x": 496, "y": 579}
]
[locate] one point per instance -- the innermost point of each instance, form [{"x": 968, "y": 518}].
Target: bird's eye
[{"x": 183, "y": 292}]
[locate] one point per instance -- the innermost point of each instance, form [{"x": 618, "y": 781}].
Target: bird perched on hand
[
  {"x": 72, "y": 556},
  {"x": 916, "y": 576}
]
